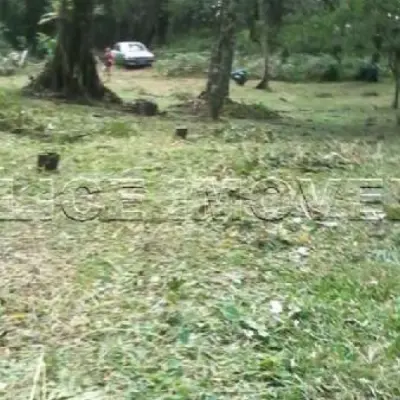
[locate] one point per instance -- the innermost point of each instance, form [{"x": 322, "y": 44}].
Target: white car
[{"x": 132, "y": 54}]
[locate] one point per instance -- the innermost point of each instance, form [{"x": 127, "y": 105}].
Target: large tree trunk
[
  {"x": 395, "y": 103},
  {"x": 163, "y": 24},
  {"x": 263, "y": 21},
  {"x": 72, "y": 71},
  {"x": 252, "y": 21},
  {"x": 394, "y": 62},
  {"x": 217, "y": 89}
]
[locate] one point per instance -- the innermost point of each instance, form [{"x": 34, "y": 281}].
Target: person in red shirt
[{"x": 109, "y": 62}]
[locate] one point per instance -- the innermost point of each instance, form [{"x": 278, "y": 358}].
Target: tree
[
  {"x": 263, "y": 23},
  {"x": 72, "y": 70},
  {"x": 394, "y": 63},
  {"x": 383, "y": 20},
  {"x": 217, "y": 90},
  {"x": 389, "y": 24}
]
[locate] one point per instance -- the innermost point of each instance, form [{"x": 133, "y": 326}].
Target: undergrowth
[{"x": 297, "y": 68}]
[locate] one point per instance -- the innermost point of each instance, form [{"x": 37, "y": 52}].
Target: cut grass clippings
[{"x": 172, "y": 280}]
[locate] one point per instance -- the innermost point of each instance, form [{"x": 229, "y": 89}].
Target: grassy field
[{"x": 196, "y": 296}]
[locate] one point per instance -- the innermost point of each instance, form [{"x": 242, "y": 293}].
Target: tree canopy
[{"x": 364, "y": 27}]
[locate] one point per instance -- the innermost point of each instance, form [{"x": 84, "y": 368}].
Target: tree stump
[
  {"x": 48, "y": 161},
  {"x": 181, "y": 132},
  {"x": 142, "y": 107},
  {"x": 147, "y": 108}
]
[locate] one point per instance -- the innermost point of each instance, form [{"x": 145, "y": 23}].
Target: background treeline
[{"x": 308, "y": 39}]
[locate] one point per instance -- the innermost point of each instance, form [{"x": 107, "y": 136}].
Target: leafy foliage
[{"x": 309, "y": 26}]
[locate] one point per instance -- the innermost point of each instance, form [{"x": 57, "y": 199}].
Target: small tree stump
[
  {"x": 181, "y": 132},
  {"x": 142, "y": 107},
  {"x": 147, "y": 108},
  {"x": 48, "y": 161}
]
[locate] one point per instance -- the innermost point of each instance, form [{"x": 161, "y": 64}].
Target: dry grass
[{"x": 185, "y": 301}]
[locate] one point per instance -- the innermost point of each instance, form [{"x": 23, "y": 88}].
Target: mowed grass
[{"x": 189, "y": 294}]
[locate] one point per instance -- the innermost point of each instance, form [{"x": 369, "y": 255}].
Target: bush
[
  {"x": 303, "y": 68},
  {"x": 4, "y": 45},
  {"x": 324, "y": 68},
  {"x": 294, "y": 68},
  {"x": 307, "y": 68},
  {"x": 7, "y": 71},
  {"x": 46, "y": 44},
  {"x": 368, "y": 72},
  {"x": 201, "y": 42},
  {"x": 184, "y": 64},
  {"x": 7, "y": 66}
]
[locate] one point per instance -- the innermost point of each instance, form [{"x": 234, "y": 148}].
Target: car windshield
[{"x": 133, "y": 47}]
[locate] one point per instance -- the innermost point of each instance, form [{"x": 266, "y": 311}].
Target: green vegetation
[
  {"x": 153, "y": 263},
  {"x": 297, "y": 68},
  {"x": 195, "y": 303}
]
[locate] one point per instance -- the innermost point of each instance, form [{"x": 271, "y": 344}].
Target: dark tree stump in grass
[
  {"x": 146, "y": 108},
  {"x": 48, "y": 161},
  {"x": 142, "y": 107},
  {"x": 181, "y": 132}
]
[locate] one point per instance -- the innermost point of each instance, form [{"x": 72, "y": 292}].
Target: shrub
[
  {"x": 46, "y": 44},
  {"x": 7, "y": 66},
  {"x": 294, "y": 68},
  {"x": 5, "y": 47},
  {"x": 184, "y": 64},
  {"x": 325, "y": 69},
  {"x": 307, "y": 68}
]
